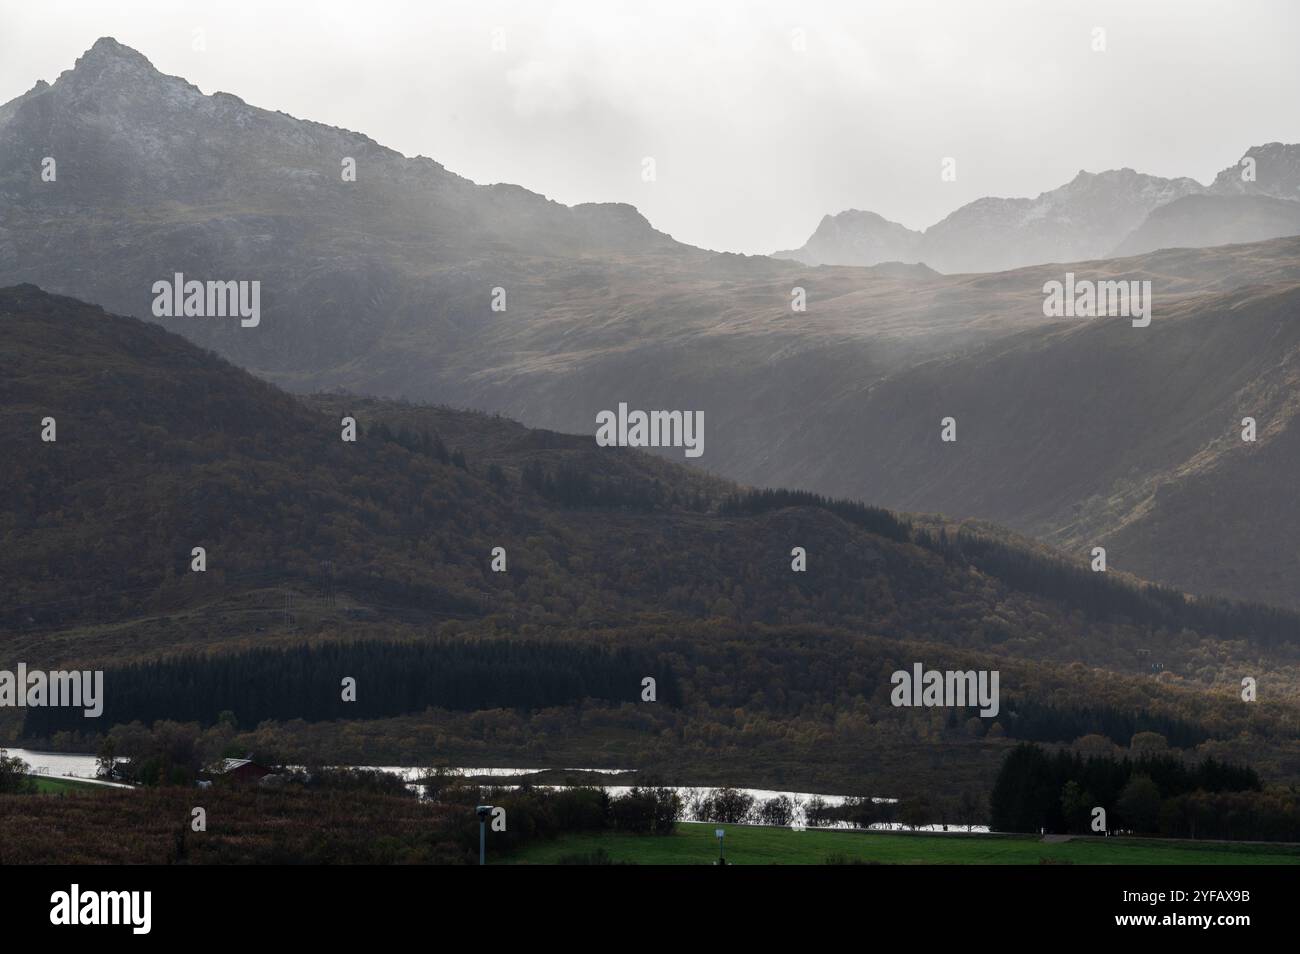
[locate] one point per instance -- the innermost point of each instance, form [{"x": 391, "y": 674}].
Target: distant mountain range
[
  {"x": 1078, "y": 432},
  {"x": 1118, "y": 212}
]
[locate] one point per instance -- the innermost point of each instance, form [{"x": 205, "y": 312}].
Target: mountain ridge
[{"x": 992, "y": 233}]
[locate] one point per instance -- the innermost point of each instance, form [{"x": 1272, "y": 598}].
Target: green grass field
[
  {"x": 695, "y": 844},
  {"x": 59, "y": 786}
]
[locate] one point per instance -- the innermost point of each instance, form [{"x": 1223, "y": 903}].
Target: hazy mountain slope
[
  {"x": 1094, "y": 431},
  {"x": 1204, "y": 220},
  {"x": 790, "y": 412},
  {"x": 1230, "y": 524}
]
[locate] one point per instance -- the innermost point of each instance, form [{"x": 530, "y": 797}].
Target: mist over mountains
[{"x": 1080, "y": 433}]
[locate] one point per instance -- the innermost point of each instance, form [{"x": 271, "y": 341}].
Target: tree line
[
  {"x": 1105, "y": 598},
  {"x": 872, "y": 519},
  {"x": 1033, "y": 721},
  {"x": 306, "y": 682},
  {"x": 1153, "y": 794},
  {"x": 572, "y": 486}
]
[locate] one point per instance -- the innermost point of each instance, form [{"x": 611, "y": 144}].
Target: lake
[{"x": 82, "y": 765}]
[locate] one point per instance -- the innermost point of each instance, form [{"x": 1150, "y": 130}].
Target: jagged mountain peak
[
  {"x": 109, "y": 62},
  {"x": 107, "y": 49},
  {"x": 1121, "y": 184},
  {"x": 1275, "y": 168}
]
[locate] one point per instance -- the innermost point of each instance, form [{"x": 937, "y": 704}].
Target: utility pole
[{"x": 483, "y": 812}]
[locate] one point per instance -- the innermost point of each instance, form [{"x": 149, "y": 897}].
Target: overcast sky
[{"x": 754, "y": 139}]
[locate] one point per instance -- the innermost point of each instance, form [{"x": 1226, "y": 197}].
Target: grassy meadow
[
  {"x": 752, "y": 845},
  {"x": 63, "y": 786}
]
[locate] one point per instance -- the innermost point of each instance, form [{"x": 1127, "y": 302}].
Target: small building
[{"x": 243, "y": 771}]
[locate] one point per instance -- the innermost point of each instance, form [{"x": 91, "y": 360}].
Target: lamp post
[
  {"x": 720, "y": 832},
  {"x": 483, "y": 812}
]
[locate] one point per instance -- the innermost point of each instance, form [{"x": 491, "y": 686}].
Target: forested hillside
[{"x": 617, "y": 565}]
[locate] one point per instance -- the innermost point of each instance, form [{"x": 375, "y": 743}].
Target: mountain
[
  {"x": 124, "y": 134},
  {"x": 378, "y": 553},
  {"x": 857, "y": 238},
  {"x": 1083, "y": 219},
  {"x": 1275, "y": 168},
  {"x": 153, "y": 178},
  {"x": 1115, "y": 213}
]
